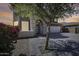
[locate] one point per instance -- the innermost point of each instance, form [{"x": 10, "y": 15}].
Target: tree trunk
[{"x": 47, "y": 37}]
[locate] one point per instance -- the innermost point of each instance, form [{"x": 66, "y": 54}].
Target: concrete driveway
[{"x": 66, "y": 44}]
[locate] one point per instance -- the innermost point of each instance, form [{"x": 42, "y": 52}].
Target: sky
[
  {"x": 6, "y": 15},
  {"x": 4, "y": 7}
]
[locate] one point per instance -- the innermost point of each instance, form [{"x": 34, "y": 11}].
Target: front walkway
[{"x": 65, "y": 43}]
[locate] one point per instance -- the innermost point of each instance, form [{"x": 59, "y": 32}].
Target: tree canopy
[{"x": 47, "y": 12}]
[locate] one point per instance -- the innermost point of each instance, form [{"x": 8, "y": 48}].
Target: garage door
[{"x": 55, "y": 29}]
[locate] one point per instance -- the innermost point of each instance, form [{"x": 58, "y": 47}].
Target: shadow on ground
[
  {"x": 57, "y": 36},
  {"x": 64, "y": 48},
  {"x": 61, "y": 46}
]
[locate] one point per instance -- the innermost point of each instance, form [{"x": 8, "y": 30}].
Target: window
[
  {"x": 16, "y": 23},
  {"x": 25, "y": 26}
]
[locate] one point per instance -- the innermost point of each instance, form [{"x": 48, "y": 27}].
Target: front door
[
  {"x": 24, "y": 29},
  {"x": 24, "y": 26}
]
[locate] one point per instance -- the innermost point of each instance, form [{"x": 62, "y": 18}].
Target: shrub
[{"x": 8, "y": 34}]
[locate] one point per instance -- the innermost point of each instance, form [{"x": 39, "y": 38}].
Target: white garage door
[{"x": 55, "y": 29}]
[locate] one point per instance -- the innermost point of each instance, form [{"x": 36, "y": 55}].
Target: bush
[{"x": 8, "y": 34}]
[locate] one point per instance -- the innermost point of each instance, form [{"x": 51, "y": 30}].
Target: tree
[
  {"x": 50, "y": 12},
  {"x": 46, "y": 12}
]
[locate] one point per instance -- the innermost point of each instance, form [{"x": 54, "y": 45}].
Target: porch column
[{"x": 19, "y": 22}]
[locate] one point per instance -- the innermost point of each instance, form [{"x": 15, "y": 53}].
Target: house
[
  {"x": 30, "y": 28},
  {"x": 54, "y": 28},
  {"x": 27, "y": 27},
  {"x": 70, "y": 24}
]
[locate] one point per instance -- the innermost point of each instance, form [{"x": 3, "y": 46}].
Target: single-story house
[
  {"x": 70, "y": 24},
  {"x": 28, "y": 26},
  {"x": 71, "y": 27}
]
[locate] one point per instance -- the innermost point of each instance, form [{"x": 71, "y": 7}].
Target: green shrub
[{"x": 8, "y": 34}]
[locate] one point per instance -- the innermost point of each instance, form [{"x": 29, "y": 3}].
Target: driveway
[{"x": 64, "y": 44}]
